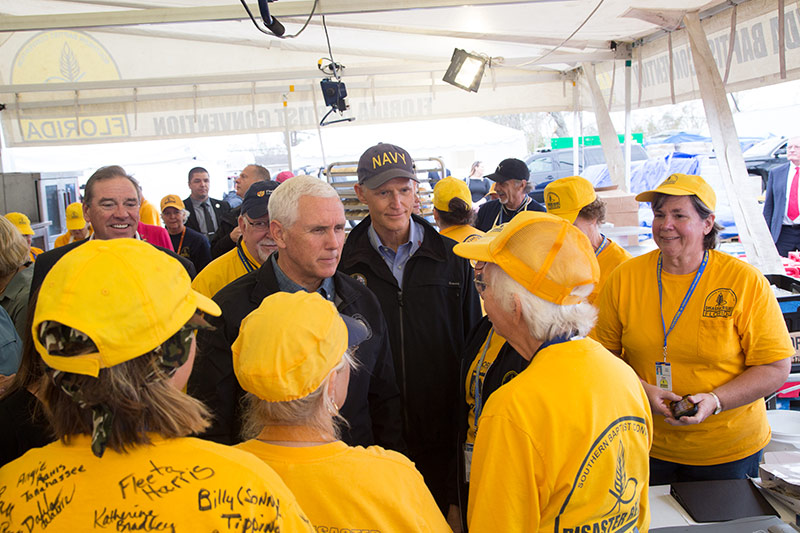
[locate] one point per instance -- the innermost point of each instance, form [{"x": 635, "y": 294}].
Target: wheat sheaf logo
[
  {"x": 62, "y": 57},
  {"x": 624, "y": 490}
]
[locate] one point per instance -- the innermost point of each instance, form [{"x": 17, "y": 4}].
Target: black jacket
[
  {"x": 44, "y": 262},
  {"x": 508, "y": 364},
  {"x": 488, "y": 212},
  {"x": 222, "y": 239},
  {"x": 220, "y": 207},
  {"x": 428, "y": 322},
  {"x": 373, "y": 402}
]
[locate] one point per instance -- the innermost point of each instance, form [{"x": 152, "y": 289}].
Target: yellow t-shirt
[
  {"x": 148, "y": 214},
  {"x": 35, "y": 252},
  {"x": 731, "y": 322},
  {"x": 66, "y": 238},
  {"x": 563, "y": 447},
  {"x": 461, "y": 233},
  {"x": 345, "y": 488},
  {"x": 224, "y": 269},
  {"x": 180, "y": 485},
  {"x": 609, "y": 258}
]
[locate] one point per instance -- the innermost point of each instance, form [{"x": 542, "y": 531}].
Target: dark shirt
[
  {"x": 24, "y": 425},
  {"x": 195, "y": 247}
]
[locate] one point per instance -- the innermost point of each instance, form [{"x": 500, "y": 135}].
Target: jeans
[{"x": 665, "y": 472}]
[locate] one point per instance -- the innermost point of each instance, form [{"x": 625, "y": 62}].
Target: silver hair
[
  {"x": 184, "y": 216},
  {"x": 315, "y": 411},
  {"x": 545, "y": 320},
  {"x": 284, "y": 201}
]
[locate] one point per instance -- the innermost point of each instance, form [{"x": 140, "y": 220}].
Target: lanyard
[
  {"x": 685, "y": 301},
  {"x": 602, "y": 246},
  {"x": 183, "y": 234},
  {"x": 248, "y": 265},
  {"x": 478, "y": 382},
  {"x": 499, "y": 219}
]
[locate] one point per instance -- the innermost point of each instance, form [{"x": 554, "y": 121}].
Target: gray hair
[
  {"x": 284, "y": 201},
  {"x": 315, "y": 411},
  {"x": 184, "y": 215},
  {"x": 545, "y": 320}
]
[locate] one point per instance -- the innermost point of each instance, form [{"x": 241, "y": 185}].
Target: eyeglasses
[
  {"x": 480, "y": 285},
  {"x": 259, "y": 225}
]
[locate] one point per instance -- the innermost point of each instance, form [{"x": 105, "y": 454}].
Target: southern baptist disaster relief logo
[
  {"x": 719, "y": 304},
  {"x": 607, "y": 481},
  {"x": 65, "y": 56},
  {"x": 553, "y": 201}
]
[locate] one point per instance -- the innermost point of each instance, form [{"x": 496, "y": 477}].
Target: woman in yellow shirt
[
  {"x": 292, "y": 357},
  {"x": 694, "y": 321},
  {"x": 452, "y": 210}
]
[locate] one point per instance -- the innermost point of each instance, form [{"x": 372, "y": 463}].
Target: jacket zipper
[{"x": 403, "y": 361}]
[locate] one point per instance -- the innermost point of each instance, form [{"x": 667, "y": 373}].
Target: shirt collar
[
  {"x": 415, "y": 234},
  {"x": 326, "y": 288}
]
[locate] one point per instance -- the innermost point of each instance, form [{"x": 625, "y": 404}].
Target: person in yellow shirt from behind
[
  {"x": 574, "y": 199},
  {"x": 254, "y": 247},
  {"x": 294, "y": 356},
  {"x": 23, "y": 224},
  {"x": 77, "y": 227},
  {"x": 563, "y": 446},
  {"x": 452, "y": 210}
]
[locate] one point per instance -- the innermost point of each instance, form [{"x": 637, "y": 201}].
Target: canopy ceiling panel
[{"x": 75, "y": 71}]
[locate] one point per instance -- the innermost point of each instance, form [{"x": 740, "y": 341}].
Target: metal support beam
[
  {"x": 750, "y": 223},
  {"x": 234, "y": 11}
]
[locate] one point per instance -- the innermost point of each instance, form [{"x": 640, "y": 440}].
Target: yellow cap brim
[
  {"x": 478, "y": 249},
  {"x": 206, "y": 304},
  {"x": 25, "y": 229}
]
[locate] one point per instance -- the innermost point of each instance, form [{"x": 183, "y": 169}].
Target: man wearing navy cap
[
  {"x": 253, "y": 248},
  {"x": 512, "y": 187},
  {"x": 428, "y": 299}
]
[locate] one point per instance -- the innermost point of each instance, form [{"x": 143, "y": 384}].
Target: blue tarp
[{"x": 645, "y": 175}]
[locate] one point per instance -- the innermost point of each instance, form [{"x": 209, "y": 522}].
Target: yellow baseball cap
[
  {"x": 127, "y": 296},
  {"x": 75, "y": 218},
  {"x": 290, "y": 343},
  {"x": 683, "y": 185},
  {"x": 566, "y": 197},
  {"x": 172, "y": 200},
  {"x": 22, "y": 222},
  {"x": 448, "y": 188},
  {"x": 544, "y": 253}
]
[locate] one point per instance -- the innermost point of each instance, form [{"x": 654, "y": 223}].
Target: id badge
[
  {"x": 467, "y": 460},
  {"x": 664, "y": 376}
]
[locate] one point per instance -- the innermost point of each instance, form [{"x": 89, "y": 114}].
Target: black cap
[
  {"x": 382, "y": 163},
  {"x": 510, "y": 169},
  {"x": 256, "y": 199}
]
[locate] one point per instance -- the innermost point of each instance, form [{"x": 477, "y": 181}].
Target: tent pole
[
  {"x": 753, "y": 232},
  {"x": 287, "y": 136},
  {"x": 576, "y": 126},
  {"x": 608, "y": 135},
  {"x": 628, "y": 140}
]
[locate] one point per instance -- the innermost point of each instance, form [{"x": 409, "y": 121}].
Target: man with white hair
[
  {"x": 186, "y": 242},
  {"x": 563, "y": 446},
  {"x": 252, "y": 249},
  {"x": 307, "y": 222}
]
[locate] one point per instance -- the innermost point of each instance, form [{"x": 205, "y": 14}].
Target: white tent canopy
[{"x": 74, "y": 71}]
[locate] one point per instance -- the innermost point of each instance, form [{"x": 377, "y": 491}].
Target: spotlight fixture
[{"x": 465, "y": 70}]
